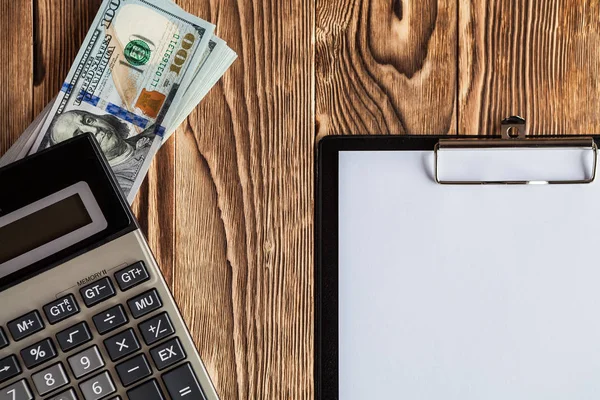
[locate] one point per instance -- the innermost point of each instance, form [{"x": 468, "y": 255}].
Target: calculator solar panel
[{"x": 86, "y": 313}]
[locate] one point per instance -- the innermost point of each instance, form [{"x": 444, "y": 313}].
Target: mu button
[{"x": 144, "y": 303}]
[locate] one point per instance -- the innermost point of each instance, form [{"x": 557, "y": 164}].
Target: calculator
[{"x": 84, "y": 310}]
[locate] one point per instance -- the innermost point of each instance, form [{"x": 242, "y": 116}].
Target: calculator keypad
[
  {"x": 132, "y": 276},
  {"x": 98, "y": 387},
  {"x": 3, "y": 339},
  {"x": 111, "y": 319},
  {"x": 61, "y": 309},
  {"x": 86, "y": 362},
  {"x": 144, "y": 303},
  {"x": 74, "y": 336},
  {"x": 134, "y": 370},
  {"x": 97, "y": 292},
  {"x": 156, "y": 328},
  {"x": 38, "y": 353},
  {"x": 122, "y": 345},
  {"x": 66, "y": 395},
  {"x": 113, "y": 358},
  {"x": 50, "y": 379},
  {"x": 26, "y": 325},
  {"x": 17, "y": 391},
  {"x": 9, "y": 368}
]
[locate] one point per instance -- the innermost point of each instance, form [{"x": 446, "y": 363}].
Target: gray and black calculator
[{"x": 84, "y": 310}]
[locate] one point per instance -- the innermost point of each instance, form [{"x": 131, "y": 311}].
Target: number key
[
  {"x": 98, "y": 387},
  {"x": 86, "y": 362},
  {"x": 50, "y": 379},
  {"x": 16, "y": 391},
  {"x": 66, "y": 395}
]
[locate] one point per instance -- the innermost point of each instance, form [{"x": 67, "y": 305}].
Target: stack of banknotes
[{"x": 143, "y": 67}]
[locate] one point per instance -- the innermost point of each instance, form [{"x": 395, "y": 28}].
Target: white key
[
  {"x": 16, "y": 391},
  {"x": 86, "y": 362},
  {"x": 50, "y": 379}
]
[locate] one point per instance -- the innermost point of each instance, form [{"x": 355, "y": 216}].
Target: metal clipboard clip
[{"x": 513, "y": 136}]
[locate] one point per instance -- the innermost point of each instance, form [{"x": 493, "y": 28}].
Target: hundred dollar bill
[{"x": 130, "y": 74}]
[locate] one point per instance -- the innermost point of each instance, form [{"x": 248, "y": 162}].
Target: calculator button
[
  {"x": 144, "y": 303},
  {"x": 167, "y": 354},
  {"x": 26, "y": 325},
  {"x": 16, "y": 391},
  {"x": 147, "y": 391},
  {"x": 132, "y": 276},
  {"x": 110, "y": 319},
  {"x": 182, "y": 383},
  {"x": 3, "y": 339},
  {"x": 50, "y": 379},
  {"x": 122, "y": 345},
  {"x": 134, "y": 370},
  {"x": 97, "y": 292},
  {"x": 61, "y": 309},
  {"x": 86, "y": 362},
  {"x": 98, "y": 387},
  {"x": 156, "y": 328},
  {"x": 38, "y": 353},
  {"x": 9, "y": 367},
  {"x": 74, "y": 336},
  {"x": 67, "y": 395}
]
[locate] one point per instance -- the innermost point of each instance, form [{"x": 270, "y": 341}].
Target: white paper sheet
[{"x": 465, "y": 292}]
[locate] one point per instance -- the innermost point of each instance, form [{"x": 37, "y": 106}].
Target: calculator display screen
[{"x": 42, "y": 226}]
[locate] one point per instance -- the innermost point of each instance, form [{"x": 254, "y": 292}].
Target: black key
[
  {"x": 3, "y": 339},
  {"x": 110, "y": 319},
  {"x": 74, "y": 336},
  {"x": 182, "y": 383},
  {"x": 97, "y": 292},
  {"x": 122, "y": 345},
  {"x": 148, "y": 391},
  {"x": 167, "y": 354},
  {"x": 38, "y": 353},
  {"x": 132, "y": 276},
  {"x": 156, "y": 328},
  {"x": 26, "y": 325},
  {"x": 134, "y": 370},
  {"x": 144, "y": 303},
  {"x": 9, "y": 368},
  {"x": 61, "y": 309}
]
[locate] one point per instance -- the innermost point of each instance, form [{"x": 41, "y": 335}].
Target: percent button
[{"x": 39, "y": 353}]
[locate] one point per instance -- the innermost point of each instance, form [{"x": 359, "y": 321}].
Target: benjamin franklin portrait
[{"x": 125, "y": 154}]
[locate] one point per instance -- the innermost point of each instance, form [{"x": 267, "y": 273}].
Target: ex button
[
  {"x": 61, "y": 309},
  {"x": 97, "y": 292},
  {"x": 26, "y": 325},
  {"x": 132, "y": 276}
]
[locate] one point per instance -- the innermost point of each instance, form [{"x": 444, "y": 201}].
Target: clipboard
[{"x": 430, "y": 284}]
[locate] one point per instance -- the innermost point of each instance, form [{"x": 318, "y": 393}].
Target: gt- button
[{"x": 97, "y": 292}]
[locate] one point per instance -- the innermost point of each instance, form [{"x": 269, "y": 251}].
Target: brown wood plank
[
  {"x": 16, "y": 32},
  {"x": 386, "y": 67},
  {"x": 62, "y": 26},
  {"x": 534, "y": 58},
  {"x": 244, "y": 196}
]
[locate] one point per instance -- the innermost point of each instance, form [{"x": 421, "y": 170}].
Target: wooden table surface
[{"x": 228, "y": 203}]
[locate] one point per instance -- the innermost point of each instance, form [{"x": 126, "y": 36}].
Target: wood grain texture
[
  {"x": 15, "y": 70},
  {"x": 534, "y": 58},
  {"x": 62, "y": 26},
  {"x": 244, "y": 199},
  {"x": 386, "y": 66}
]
